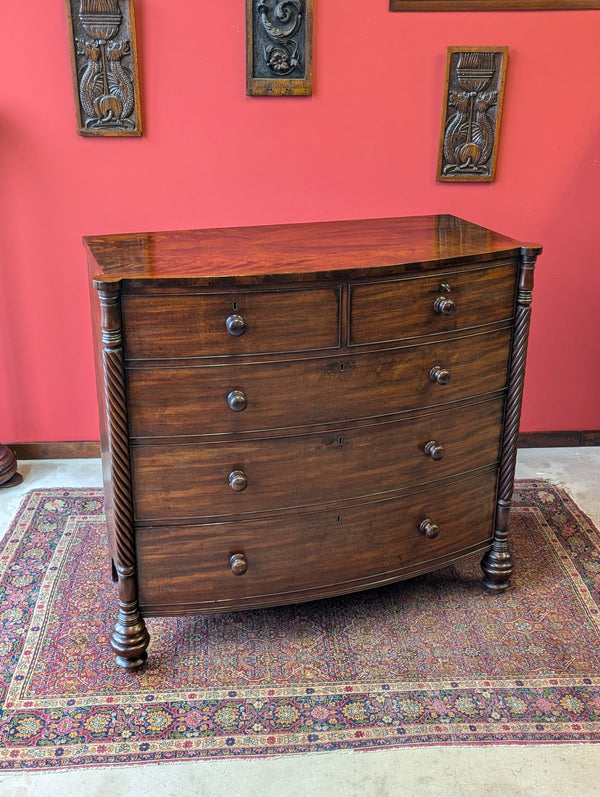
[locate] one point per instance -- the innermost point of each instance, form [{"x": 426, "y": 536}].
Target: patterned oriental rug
[{"x": 431, "y": 661}]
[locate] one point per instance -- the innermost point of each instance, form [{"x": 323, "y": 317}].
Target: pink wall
[{"x": 365, "y": 144}]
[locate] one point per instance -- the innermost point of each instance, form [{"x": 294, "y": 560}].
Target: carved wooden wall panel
[
  {"x": 104, "y": 64},
  {"x": 473, "y": 95},
  {"x": 279, "y": 47},
  {"x": 491, "y": 5}
]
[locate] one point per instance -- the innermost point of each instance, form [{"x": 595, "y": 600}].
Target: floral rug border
[{"x": 46, "y": 733}]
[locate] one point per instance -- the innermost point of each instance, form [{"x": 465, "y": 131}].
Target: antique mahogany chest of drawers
[{"x": 299, "y": 411}]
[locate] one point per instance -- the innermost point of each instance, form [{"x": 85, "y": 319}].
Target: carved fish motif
[
  {"x": 119, "y": 79},
  {"x": 103, "y": 38},
  {"x": 106, "y": 89},
  {"x": 456, "y": 123},
  {"x": 469, "y": 137},
  {"x": 91, "y": 73},
  {"x": 483, "y": 128}
]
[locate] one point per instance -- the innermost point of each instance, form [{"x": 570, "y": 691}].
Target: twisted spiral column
[
  {"x": 129, "y": 638},
  {"x": 497, "y": 563}
]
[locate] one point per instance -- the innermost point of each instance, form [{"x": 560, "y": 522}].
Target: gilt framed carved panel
[
  {"x": 104, "y": 65},
  {"x": 471, "y": 113},
  {"x": 279, "y": 47}
]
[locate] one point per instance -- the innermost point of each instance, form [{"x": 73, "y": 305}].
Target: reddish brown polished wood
[
  {"x": 238, "y": 256},
  {"x": 260, "y": 475},
  {"x": 299, "y": 411},
  {"x": 351, "y": 386},
  {"x": 342, "y": 550}
]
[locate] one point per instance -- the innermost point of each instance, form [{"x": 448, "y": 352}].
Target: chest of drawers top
[{"x": 310, "y": 252}]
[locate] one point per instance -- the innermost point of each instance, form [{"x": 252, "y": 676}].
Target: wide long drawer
[
  {"x": 182, "y": 569},
  {"x": 224, "y": 324},
  {"x": 218, "y": 399},
  {"x": 250, "y": 476},
  {"x": 431, "y": 305}
]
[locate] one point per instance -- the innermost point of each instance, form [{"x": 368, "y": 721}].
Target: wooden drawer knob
[
  {"x": 439, "y": 375},
  {"x": 236, "y": 325},
  {"x": 429, "y": 529},
  {"x": 238, "y": 480},
  {"x": 238, "y": 564},
  {"x": 237, "y": 400},
  {"x": 444, "y": 306},
  {"x": 433, "y": 450}
]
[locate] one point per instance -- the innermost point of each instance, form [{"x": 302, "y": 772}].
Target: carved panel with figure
[
  {"x": 279, "y": 47},
  {"x": 104, "y": 63},
  {"x": 473, "y": 95}
]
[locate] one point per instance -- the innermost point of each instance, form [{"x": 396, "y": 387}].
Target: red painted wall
[{"x": 365, "y": 144}]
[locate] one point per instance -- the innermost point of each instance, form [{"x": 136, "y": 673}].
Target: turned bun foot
[
  {"x": 497, "y": 570},
  {"x": 130, "y": 637},
  {"x": 129, "y": 641}
]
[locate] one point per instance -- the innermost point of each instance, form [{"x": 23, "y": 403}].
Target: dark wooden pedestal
[{"x": 8, "y": 468}]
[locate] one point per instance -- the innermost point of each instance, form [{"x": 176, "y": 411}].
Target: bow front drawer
[
  {"x": 227, "y": 324},
  {"x": 416, "y": 306},
  {"x": 263, "y": 475},
  {"x": 268, "y": 562},
  {"x": 231, "y": 398}
]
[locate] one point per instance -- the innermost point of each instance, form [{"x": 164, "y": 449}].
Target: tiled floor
[{"x": 509, "y": 771}]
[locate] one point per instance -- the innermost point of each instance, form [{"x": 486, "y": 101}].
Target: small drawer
[
  {"x": 228, "y": 399},
  {"x": 432, "y": 305},
  {"x": 264, "y": 475},
  {"x": 226, "y": 566},
  {"x": 225, "y": 324}
]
